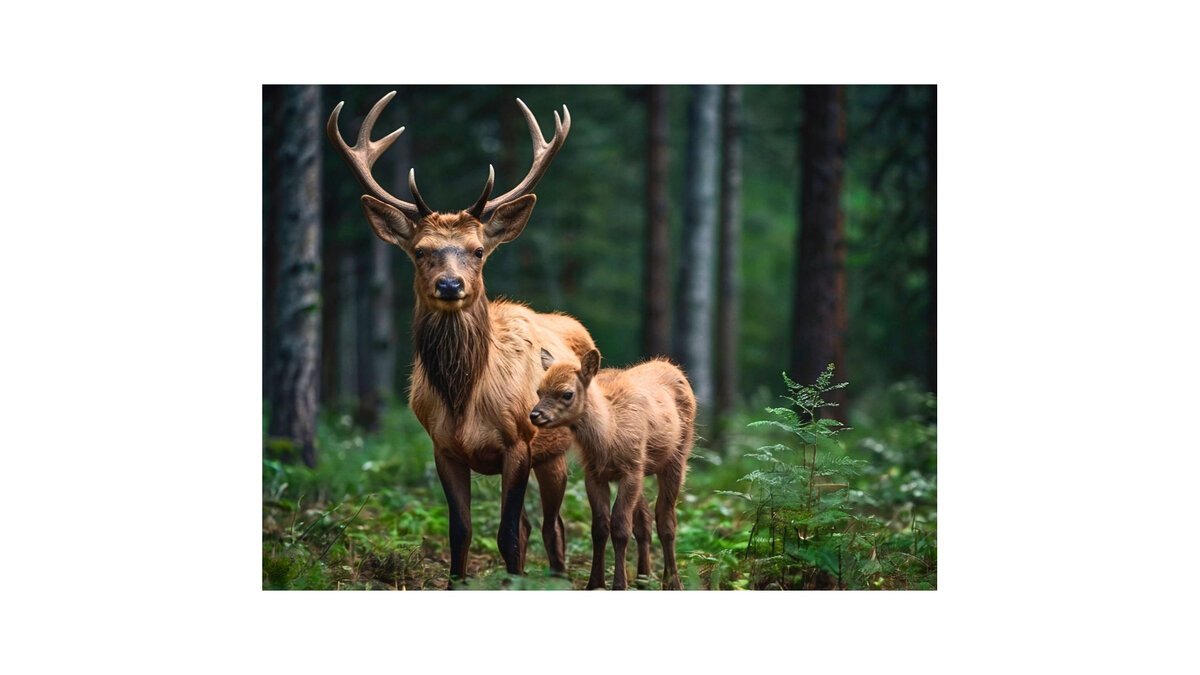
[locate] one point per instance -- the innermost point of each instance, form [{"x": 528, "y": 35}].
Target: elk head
[
  {"x": 448, "y": 249},
  {"x": 562, "y": 393}
]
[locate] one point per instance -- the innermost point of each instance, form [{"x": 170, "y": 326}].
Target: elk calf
[{"x": 629, "y": 424}]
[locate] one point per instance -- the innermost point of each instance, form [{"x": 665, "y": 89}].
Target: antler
[
  {"x": 543, "y": 154},
  {"x": 362, "y": 155}
]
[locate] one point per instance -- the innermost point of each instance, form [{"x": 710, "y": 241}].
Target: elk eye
[
  {"x": 478, "y": 253},
  {"x": 568, "y": 395},
  {"x": 420, "y": 253}
]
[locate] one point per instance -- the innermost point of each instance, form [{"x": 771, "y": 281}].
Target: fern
[{"x": 798, "y": 525}]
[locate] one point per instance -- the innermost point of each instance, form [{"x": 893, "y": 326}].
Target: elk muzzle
[
  {"x": 449, "y": 288},
  {"x": 539, "y": 417}
]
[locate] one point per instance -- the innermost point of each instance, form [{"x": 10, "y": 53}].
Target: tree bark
[
  {"x": 297, "y": 323},
  {"x": 729, "y": 272},
  {"x": 347, "y": 324},
  {"x": 656, "y": 328},
  {"x": 271, "y": 104},
  {"x": 695, "y": 318},
  {"x": 377, "y": 371},
  {"x": 819, "y": 309},
  {"x": 931, "y": 258}
]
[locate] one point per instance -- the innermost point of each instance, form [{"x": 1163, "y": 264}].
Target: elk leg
[
  {"x": 642, "y": 519},
  {"x": 670, "y": 480},
  {"x": 456, "y": 483},
  {"x": 552, "y": 485},
  {"x": 628, "y": 489},
  {"x": 514, "y": 523},
  {"x": 526, "y": 527},
  {"x": 599, "y": 497}
]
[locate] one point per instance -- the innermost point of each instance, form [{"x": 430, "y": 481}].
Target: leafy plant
[{"x": 801, "y": 526}]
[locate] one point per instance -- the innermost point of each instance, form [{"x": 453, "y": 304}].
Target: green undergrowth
[{"x": 792, "y": 501}]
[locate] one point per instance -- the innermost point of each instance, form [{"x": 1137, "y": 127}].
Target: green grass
[{"x": 372, "y": 514}]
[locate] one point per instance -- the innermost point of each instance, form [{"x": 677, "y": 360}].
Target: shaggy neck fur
[
  {"x": 594, "y": 426},
  {"x": 453, "y": 349}
]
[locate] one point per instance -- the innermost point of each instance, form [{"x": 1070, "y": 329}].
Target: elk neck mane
[{"x": 453, "y": 350}]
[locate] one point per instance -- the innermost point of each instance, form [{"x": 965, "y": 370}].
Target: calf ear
[
  {"x": 389, "y": 224},
  {"x": 590, "y": 366},
  {"x": 547, "y": 359},
  {"x": 508, "y": 221}
]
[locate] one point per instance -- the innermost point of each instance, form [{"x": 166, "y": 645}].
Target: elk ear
[
  {"x": 547, "y": 359},
  {"x": 590, "y": 365},
  {"x": 389, "y": 224},
  {"x": 508, "y": 221}
]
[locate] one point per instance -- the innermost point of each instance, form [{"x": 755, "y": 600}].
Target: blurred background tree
[
  {"x": 636, "y": 231},
  {"x": 291, "y": 325},
  {"x": 819, "y": 293}
]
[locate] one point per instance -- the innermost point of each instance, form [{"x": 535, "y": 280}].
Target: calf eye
[
  {"x": 568, "y": 395},
  {"x": 478, "y": 253},
  {"x": 419, "y": 253}
]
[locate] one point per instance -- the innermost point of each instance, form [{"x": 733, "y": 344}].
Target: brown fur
[
  {"x": 476, "y": 373},
  {"x": 629, "y": 423}
]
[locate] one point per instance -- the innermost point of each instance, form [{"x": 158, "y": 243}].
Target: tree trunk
[
  {"x": 347, "y": 324},
  {"x": 729, "y": 272},
  {"x": 695, "y": 318},
  {"x": 272, "y": 96},
  {"x": 931, "y": 258},
  {"x": 656, "y": 328},
  {"x": 297, "y": 325},
  {"x": 377, "y": 371},
  {"x": 331, "y": 346},
  {"x": 504, "y": 270},
  {"x": 819, "y": 310}
]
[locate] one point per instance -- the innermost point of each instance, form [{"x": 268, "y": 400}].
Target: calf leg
[
  {"x": 629, "y": 489},
  {"x": 670, "y": 480},
  {"x": 552, "y": 484},
  {"x": 642, "y": 519},
  {"x": 599, "y": 497}
]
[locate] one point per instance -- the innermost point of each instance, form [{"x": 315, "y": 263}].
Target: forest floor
[{"x": 372, "y": 515}]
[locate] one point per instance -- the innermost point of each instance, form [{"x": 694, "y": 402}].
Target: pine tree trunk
[
  {"x": 819, "y": 309},
  {"x": 931, "y": 258},
  {"x": 347, "y": 324},
  {"x": 656, "y": 328},
  {"x": 272, "y": 96},
  {"x": 696, "y": 282},
  {"x": 729, "y": 272},
  {"x": 377, "y": 360},
  {"x": 331, "y": 346},
  {"x": 297, "y": 324}
]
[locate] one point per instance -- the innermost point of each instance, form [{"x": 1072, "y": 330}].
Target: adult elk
[{"x": 477, "y": 362}]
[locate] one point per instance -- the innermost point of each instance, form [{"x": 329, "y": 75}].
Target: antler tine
[
  {"x": 362, "y": 155},
  {"x": 543, "y": 154},
  {"x": 477, "y": 209},
  {"x": 422, "y": 208}
]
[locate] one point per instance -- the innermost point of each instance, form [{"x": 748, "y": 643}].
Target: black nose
[
  {"x": 535, "y": 416},
  {"x": 449, "y": 288}
]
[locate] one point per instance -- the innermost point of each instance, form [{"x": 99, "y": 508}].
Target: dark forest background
[
  {"x": 744, "y": 231},
  {"x": 585, "y": 251}
]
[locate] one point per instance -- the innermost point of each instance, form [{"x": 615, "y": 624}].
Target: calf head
[{"x": 562, "y": 393}]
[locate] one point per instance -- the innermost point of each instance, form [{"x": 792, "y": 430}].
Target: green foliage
[
  {"x": 798, "y": 527},
  {"x": 795, "y": 501},
  {"x": 806, "y": 510}
]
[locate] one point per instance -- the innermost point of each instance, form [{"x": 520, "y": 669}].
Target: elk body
[
  {"x": 477, "y": 362},
  {"x": 629, "y": 423}
]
